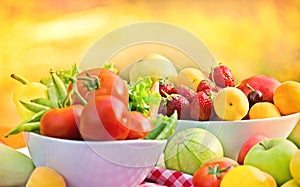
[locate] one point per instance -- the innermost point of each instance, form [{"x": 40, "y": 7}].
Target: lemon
[
  {"x": 231, "y": 103},
  {"x": 295, "y": 166},
  {"x": 287, "y": 97},
  {"x": 247, "y": 176},
  {"x": 263, "y": 110}
]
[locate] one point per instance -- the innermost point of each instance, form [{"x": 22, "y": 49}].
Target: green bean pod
[
  {"x": 46, "y": 102},
  {"x": 25, "y": 126},
  {"x": 34, "y": 107},
  {"x": 155, "y": 132},
  {"x": 164, "y": 128},
  {"x": 169, "y": 128},
  {"x": 60, "y": 88}
]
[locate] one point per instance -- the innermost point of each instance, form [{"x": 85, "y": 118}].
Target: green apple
[
  {"x": 273, "y": 156},
  {"x": 295, "y": 135}
]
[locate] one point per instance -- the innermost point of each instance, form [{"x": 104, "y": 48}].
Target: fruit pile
[
  {"x": 196, "y": 96},
  {"x": 262, "y": 161},
  {"x": 98, "y": 105}
]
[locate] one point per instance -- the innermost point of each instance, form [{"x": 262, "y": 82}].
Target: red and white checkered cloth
[{"x": 159, "y": 177}]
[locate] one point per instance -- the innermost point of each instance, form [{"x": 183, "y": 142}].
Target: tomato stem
[
  {"x": 75, "y": 91},
  {"x": 92, "y": 82},
  {"x": 217, "y": 171}
]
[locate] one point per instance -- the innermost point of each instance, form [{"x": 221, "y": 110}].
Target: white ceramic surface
[
  {"x": 94, "y": 164},
  {"x": 233, "y": 134}
]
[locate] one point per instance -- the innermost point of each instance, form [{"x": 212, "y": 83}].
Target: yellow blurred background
[{"x": 251, "y": 37}]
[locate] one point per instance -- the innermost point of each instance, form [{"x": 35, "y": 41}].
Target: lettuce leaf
[{"x": 141, "y": 96}]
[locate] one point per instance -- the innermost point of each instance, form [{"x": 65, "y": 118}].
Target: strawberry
[
  {"x": 207, "y": 87},
  {"x": 201, "y": 107},
  {"x": 163, "y": 106},
  {"x": 186, "y": 92},
  {"x": 166, "y": 87},
  {"x": 222, "y": 76},
  {"x": 179, "y": 103}
]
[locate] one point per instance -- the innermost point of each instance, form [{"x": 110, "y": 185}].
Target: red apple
[
  {"x": 265, "y": 84},
  {"x": 248, "y": 145}
]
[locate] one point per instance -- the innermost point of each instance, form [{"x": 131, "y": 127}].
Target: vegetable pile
[{"x": 95, "y": 104}]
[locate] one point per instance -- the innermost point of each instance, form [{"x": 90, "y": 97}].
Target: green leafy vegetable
[{"x": 140, "y": 96}]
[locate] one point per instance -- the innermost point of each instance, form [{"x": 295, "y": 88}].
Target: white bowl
[
  {"x": 107, "y": 163},
  {"x": 233, "y": 134}
]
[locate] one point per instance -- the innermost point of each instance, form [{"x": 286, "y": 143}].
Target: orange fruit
[
  {"x": 46, "y": 177},
  {"x": 287, "y": 97},
  {"x": 263, "y": 110}
]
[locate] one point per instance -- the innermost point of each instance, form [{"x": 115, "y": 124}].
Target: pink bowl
[{"x": 107, "y": 163}]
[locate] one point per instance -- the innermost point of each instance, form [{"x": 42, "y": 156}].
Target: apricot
[
  {"x": 287, "y": 97},
  {"x": 46, "y": 177}
]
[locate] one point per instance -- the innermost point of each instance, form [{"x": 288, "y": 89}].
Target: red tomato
[
  {"x": 105, "y": 118},
  {"x": 110, "y": 84},
  {"x": 139, "y": 126},
  {"x": 61, "y": 122},
  {"x": 211, "y": 174}
]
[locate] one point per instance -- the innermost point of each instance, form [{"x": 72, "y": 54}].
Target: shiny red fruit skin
[
  {"x": 222, "y": 76},
  {"x": 201, "y": 107},
  {"x": 105, "y": 117}
]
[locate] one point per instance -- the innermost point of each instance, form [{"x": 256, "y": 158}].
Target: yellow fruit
[
  {"x": 190, "y": 77},
  {"x": 295, "y": 166},
  {"x": 45, "y": 177},
  {"x": 263, "y": 110},
  {"x": 247, "y": 176},
  {"x": 287, "y": 97},
  {"x": 155, "y": 66},
  {"x": 231, "y": 103},
  {"x": 294, "y": 136},
  {"x": 290, "y": 183}
]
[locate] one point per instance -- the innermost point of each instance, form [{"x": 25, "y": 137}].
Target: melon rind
[{"x": 188, "y": 149}]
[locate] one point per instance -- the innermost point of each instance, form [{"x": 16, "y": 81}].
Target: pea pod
[
  {"x": 60, "y": 89},
  {"x": 169, "y": 128},
  {"x": 46, "y": 102},
  {"x": 155, "y": 132},
  {"x": 30, "y": 125},
  {"x": 25, "y": 127},
  {"x": 164, "y": 127},
  {"x": 34, "y": 107}
]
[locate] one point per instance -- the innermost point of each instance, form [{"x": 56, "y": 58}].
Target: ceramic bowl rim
[{"x": 83, "y": 142}]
